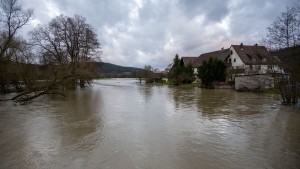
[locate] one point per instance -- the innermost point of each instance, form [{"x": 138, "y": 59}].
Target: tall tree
[
  {"x": 210, "y": 71},
  {"x": 70, "y": 44},
  {"x": 175, "y": 73},
  {"x": 285, "y": 30},
  {"x": 283, "y": 39},
  {"x": 181, "y": 73},
  {"x": 188, "y": 73},
  {"x": 12, "y": 18}
]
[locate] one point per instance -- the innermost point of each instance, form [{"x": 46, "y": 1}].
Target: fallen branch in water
[{"x": 34, "y": 92}]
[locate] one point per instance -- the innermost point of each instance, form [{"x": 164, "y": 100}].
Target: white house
[
  {"x": 252, "y": 59},
  {"x": 240, "y": 59}
]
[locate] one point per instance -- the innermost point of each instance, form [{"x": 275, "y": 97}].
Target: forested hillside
[{"x": 103, "y": 67}]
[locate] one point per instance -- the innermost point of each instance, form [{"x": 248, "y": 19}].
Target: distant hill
[{"x": 108, "y": 68}]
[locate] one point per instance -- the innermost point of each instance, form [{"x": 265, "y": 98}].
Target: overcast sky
[{"x": 140, "y": 32}]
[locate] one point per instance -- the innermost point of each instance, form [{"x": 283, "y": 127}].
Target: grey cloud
[
  {"x": 252, "y": 17},
  {"x": 133, "y": 34},
  {"x": 214, "y": 10},
  {"x": 98, "y": 12}
]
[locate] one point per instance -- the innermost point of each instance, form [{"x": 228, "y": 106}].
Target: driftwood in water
[{"x": 51, "y": 87}]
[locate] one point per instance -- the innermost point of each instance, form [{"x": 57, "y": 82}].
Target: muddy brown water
[{"x": 120, "y": 124}]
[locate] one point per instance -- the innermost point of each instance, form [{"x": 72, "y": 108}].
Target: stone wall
[{"x": 250, "y": 82}]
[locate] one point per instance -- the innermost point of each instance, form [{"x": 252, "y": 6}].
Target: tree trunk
[
  {"x": 82, "y": 83},
  {"x": 2, "y": 89}
]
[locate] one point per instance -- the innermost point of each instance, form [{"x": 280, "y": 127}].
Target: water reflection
[
  {"x": 118, "y": 123},
  {"x": 146, "y": 91},
  {"x": 53, "y": 133}
]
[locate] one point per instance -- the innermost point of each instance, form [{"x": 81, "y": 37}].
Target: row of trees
[{"x": 63, "y": 49}]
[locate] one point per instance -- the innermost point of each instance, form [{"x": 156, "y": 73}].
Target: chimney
[
  {"x": 222, "y": 48},
  {"x": 255, "y": 44},
  {"x": 241, "y": 45}
]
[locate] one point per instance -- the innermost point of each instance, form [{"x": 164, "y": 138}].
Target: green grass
[
  {"x": 168, "y": 83},
  {"x": 270, "y": 91}
]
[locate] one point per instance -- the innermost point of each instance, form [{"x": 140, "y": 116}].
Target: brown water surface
[{"x": 120, "y": 124}]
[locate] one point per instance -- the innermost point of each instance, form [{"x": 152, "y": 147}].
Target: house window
[
  {"x": 251, "y": 67},
  {"x": 229, "y": 60},
  {"x": 264, "y": 59},
  {"x": 234, "y": 60}
]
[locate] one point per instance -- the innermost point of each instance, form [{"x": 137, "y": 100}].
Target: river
[{"x": 121, "y": 124}]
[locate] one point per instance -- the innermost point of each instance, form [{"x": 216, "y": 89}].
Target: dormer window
[{"x": 264, "y": 59}]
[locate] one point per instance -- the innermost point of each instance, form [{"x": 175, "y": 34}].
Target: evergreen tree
[
  {"x": 180, "y": 73},
  {"x": 210, "y": 71},
  {"x": 188, "y": 74},
  {"x": 175, "y": 74}
]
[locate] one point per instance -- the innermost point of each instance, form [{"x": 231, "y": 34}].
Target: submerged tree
[{"x": 210, "y": 71}]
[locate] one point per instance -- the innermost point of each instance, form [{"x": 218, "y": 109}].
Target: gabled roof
[
  {"x": 197, "y": 61},
  {"x": 219, "y": 54},
  {"x": 255, "y": 55},
  {"x": 193, "y": 60}
]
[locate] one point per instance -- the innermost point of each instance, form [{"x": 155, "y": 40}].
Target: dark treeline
[{"x": 63, "y": 50}]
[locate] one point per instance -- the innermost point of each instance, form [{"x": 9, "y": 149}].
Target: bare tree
[
  {"x": 283, "y": 40},
  {"x": 12, "y": 19},
  {"x": 70, "y": 44},
  {"x": 284, "y": 31}
]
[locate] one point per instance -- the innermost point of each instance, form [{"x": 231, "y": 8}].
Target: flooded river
[{"x": 120, "y": 124}]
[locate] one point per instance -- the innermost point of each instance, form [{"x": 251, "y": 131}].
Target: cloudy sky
[{"x": 140, "y": 32}]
